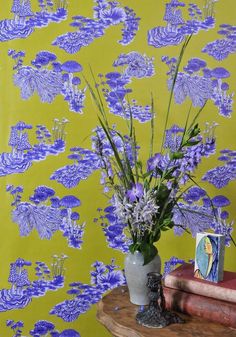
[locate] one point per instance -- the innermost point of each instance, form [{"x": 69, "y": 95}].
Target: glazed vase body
[{"x": 136, "y": 276}]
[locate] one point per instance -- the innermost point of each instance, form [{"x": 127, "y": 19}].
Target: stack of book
[{"x": 213, "y": 301}]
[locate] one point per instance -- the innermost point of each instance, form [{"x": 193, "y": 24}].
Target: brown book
[
  {"x": 196, "y": 305},
  {"x": 182, "y": 278}
]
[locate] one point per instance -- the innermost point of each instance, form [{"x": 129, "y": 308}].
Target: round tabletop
[{"x": 117, "y": 314}]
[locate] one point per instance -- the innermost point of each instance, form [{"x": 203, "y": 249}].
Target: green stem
[{"x": 184, "y": 46}]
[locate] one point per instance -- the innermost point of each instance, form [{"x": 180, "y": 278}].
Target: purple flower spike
[
  {"x": 220, "y": 72},
  {"x": 220, "y": 201},
  {"x": 135, "y": 193}
]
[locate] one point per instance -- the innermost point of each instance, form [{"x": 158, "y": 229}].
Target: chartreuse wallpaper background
[{"x": 55, "y": 260}]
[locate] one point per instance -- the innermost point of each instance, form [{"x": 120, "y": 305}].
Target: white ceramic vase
[{"x": 136, "y": 276}]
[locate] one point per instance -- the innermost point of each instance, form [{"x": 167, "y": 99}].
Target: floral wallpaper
[{"x": 62, "y": 246}]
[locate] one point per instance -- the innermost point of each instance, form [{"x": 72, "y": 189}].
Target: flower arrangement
[{"x": 159, "y": 193}]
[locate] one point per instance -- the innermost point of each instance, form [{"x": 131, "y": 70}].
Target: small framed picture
[{"x": 209, "y": 257}]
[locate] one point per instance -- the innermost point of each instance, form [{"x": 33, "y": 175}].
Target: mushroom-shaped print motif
[
  {"x": 71, "y": 67},
  {"x": 69, "y": 202},
  {"x": 72, "y": 94},
  {"x": 220, "y": 201},
  {"x": 75, "y": 81},
  {"x": 220, "y": 72},
  {"x": 69, "y": 333}
]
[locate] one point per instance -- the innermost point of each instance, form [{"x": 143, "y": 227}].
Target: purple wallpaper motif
[
  {"x": 200, "y": 84},
  {"x": 220, "y": 49},
  {"x": 103, "y": 278},
  {"x": 25, "y": 21},
  {"x": 106, "y": 14},
  {"x": 177, "y": 28},
  {"x": 23, "y": 290},
  {"x": 48, "y": 78},
  {"x": 41, "y": 329},
  {"x": 23, "y": 154},
  {"x": 47, "y": 213}
]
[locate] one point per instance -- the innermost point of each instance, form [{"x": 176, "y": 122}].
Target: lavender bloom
[
  {"x": 138, "y": 214},
  {"x": 135, "y": 193}
]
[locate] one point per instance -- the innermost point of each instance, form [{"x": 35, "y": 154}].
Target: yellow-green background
[{"x": 100, "y": 56}]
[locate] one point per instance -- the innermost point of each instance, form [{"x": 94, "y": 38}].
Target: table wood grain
[{"x": 117, "y": 314}]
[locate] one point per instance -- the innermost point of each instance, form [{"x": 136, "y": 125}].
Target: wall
[{"x": 39, "y": 125}]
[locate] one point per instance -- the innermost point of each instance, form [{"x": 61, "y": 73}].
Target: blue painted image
[
  {"x": 23, "y": 290},
  {"x": 47, "y": 213},
  {"x": 25, "y": 21},
  {"x": 23, "y": 153},
  {"x": 106, "y": 14},
  {"x": 209, "y": 257}
]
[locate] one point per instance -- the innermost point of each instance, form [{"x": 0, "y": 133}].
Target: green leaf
[
  {"x": 148, "y": 251},
  {"x": 176, "y": 155},
  {"x": 193, "y": 132},
  {"x": 134, "y": 247},
  {"x": 157, "y": 236},
  {"x": 192, "y": 142}
]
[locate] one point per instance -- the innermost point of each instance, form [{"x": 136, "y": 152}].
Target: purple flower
[{"x": 135, "y": 193}]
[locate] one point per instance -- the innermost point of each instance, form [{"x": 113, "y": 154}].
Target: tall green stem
[{"x": 184, "y": 46}]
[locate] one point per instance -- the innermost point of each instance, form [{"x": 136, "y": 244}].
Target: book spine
[
  {"x": 200, "y": 288},
  {"x": 195, "y": 305}
]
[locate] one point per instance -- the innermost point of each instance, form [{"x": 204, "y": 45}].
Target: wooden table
[{"x": 117, "y": 314}]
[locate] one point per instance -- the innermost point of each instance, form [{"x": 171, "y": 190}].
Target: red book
[
  {"x": 196, "y": 305},
  {"x": 182, "y": 278}
]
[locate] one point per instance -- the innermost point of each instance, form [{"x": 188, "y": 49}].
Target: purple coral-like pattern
[
  {"x": 103, "y": 278},
  {"x": 47, "y": 213},
  {"x": 220, "y": 49},
  {"x": 41, "y": 328},
  {"x": 23, "y": 290},
  {"x": 25, "y": 21},
  {"x": 23, "y": 154},
  {"x": 106, "y": 14},
  {"x": 177, "y": 28},
  {"x": 61, "y": 79}
]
